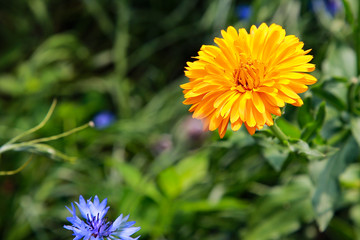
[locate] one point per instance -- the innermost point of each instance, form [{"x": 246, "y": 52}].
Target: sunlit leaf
[
  {"x": 355, "y": 214},
  {"x": 170, "y": 183},
  {"x": 225, "y": 204},
  {"x": 135, "y": 179},
  {"x": 289, "y": 129},
  {"x": 192, "y": 170},
  {"x": 350, "y": 178}
]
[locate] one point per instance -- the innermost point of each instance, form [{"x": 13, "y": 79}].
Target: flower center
[
  {"x": 249, "y": 74},
  {"x": 99, "y": 227}
]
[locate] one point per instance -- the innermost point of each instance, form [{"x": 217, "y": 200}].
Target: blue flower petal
[
  {"x": 104, "y": 119},
  {"x": 243, "y": 11},
  {"x": 83, "y": 207},
  {"x": 129, "y": 231},
  {"x": 96, "y": 201},
  {"x": 95, "y": 226}
]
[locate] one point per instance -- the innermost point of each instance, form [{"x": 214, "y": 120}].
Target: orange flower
[{"x": 248, "y": 77}]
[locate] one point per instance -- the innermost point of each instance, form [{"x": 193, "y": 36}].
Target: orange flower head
[{"x": 247, "y": 78}]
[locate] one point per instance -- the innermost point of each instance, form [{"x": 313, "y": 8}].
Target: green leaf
[
  {"x": 315, "y": 126},
  {"x": 327, "y": 191},
  {"x": 355, "y": 128},
  {"x": 342, "y": 229},
  {"x": 320, "y": 116},
  {"x": 225, "y": 204},
  {"x": 355, "y": 214},
  {"x": 340, "y": 61},
  {"x": 302, "y": 147},
  {"x": 169, "y": 182},
  {"x": 276, "y": 225},
  {"x": 134, "y": 178},
  {"x": 350, "y": 178},
  {"x": 276, "y": 155},
  {"x": 305, "y": 113},
  {"x": 177, "y": 179},
  {"x": 59, "y": 47},
  {"x": 10, "y": 85},
  {"x": 328, "y": 97},
  {"x": 192, "y": 170},
  {"x": 282, "y": 211},
  {"x": 348, "y": 13},
  {"x": 289, "y": 129}
]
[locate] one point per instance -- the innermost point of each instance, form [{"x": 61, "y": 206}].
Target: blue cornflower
[
  {"x": 332, "y": 7},
  {"x": 95, "y": 226},
  {"x": 104, "y": 119},
  {"x": 243, "y": 11}
]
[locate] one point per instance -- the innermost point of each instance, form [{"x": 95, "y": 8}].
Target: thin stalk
[
  {"x": 34, "y": 129},
  {"x": 13, "y": 146},
  {"x": 61, "y": 135},
  {"x": 279, "y": 134},
  {"x": 12, "y": 172}
]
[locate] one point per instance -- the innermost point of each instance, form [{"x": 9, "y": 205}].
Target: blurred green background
[{"x": 120, "y": 63}]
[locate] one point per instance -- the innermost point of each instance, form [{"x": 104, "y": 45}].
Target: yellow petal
[
  {"x": 249, "y": 116},
  {"x": 214, "y": 122},
  {"x": 235, "y": 113},
  {"x": 251, "y": 130},
  {"x": 247, "y": 77},
  {"x": 236, "y": 125},
  {"x": 242, "y": 104},
  {"x": 227, "y": 107},
  {"x": 288, "y": 91},
  {"x": 258, "y": 102},
  {"x": 224, "y": 98},
  {"x": 223, "y": 127}
]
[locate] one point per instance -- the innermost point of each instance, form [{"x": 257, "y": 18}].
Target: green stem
[
  {"x": 13, "y": 146},
  {"x": 61, "y": 135},
  {"x": 34, "y": 129},
  {"x": 12, "y": 172},
  {"x": 356, "y": 29},
  {"x": 279, "y": 134}
]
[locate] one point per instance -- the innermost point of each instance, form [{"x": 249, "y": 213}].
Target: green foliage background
[{"x": 128, "y": 57}]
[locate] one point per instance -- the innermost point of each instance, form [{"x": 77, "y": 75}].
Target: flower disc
[{"x": 247, "y": 78}]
